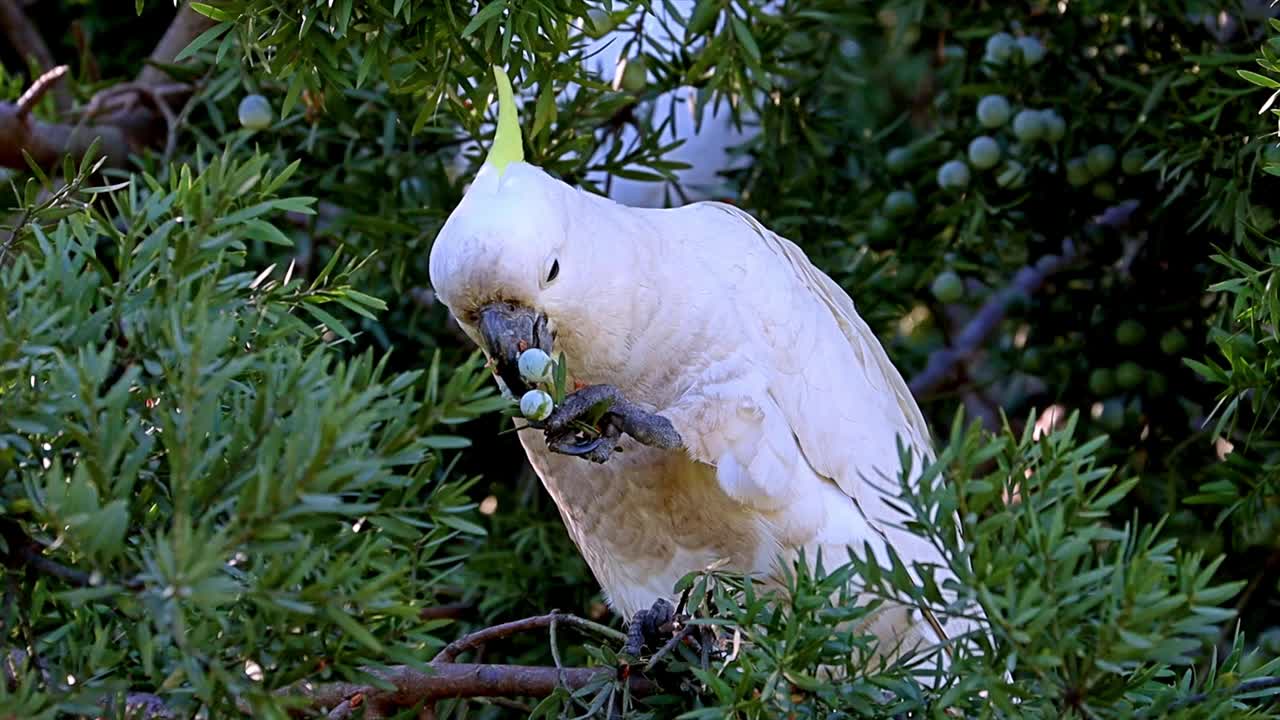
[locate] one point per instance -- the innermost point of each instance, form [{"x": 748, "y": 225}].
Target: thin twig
[
  {"x": 669, "y": 646},
  {"x": 28, "y": 99},
  {"x": 497, "y": 632},
  {"x": 25, "y": 551},
  {"x": 25, "y": 38}
]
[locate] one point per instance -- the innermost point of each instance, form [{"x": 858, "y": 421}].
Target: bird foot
[
  {"x": 606, "y": 408},
  {"x": 649, "y": 628}
]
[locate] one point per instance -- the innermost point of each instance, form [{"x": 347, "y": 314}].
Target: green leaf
[
  {"x": 266, "y": 232},
  {"x": 212, "y": 12},
  {"x": 353, "y": 628},
  {"x": 1257, "y": 79},
  {"x": 461, "y": 525},
  {"x": 486, "y": 13},
  {"x": 743, "y": 33},
  {"x": 328, "y": 320},
  {"x": 203, "y": 39}
]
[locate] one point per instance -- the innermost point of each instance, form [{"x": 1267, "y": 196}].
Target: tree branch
[
  {"x": 25, "y": 551},
  {"x": 39, "y": 87},
  {"x": 445, "y": 681},
  {"x": 128, "y": 128},
  {"x": 26, "y": 40},
  {"x": 473, "y": 640},
  {"x": 48, "y": 142},
  {"x": 943, "y": 363},
  {"x": 186, "y": 26}
]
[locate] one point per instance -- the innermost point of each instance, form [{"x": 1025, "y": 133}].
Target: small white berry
[
  {"x": 536, "y": 405},
  {"x": 254, "y": 112},
  {"x": 535, "y": 366},
  {"x": 953, "y": 175},
  {"x": 1000, "y": 47},
  {"x": 993, "y": 111},
  {"x": 1032, "y": 51}
]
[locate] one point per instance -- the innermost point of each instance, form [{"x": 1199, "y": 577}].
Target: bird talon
[
  {"x": 620, "y": 417},
  {"x": 649, "y": 628}
]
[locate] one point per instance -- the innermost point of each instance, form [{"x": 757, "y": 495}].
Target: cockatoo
[{"x": 759, "y": 414}]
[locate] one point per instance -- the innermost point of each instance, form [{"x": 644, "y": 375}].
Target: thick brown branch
[
  {"x": 186, "y": 26},
  {"x": 48, "y": 142},
  {"x": 129, "y": 129},
  {"x": 456, "y": 680},
  {"x": 26, "y": 40}
]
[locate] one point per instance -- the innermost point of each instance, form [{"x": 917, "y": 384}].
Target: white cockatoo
[{"x": 759, "y": 414}]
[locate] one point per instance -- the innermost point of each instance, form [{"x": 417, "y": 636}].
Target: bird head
[{"x": 503, "y": 263}]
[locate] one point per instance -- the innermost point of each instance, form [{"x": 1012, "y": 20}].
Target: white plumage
[{"x": 789, "y": 408}]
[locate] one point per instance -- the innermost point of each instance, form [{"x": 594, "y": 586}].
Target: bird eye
[{"x": 555, "y": 270}]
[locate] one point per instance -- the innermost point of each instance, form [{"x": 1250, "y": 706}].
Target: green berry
[
  {"x": 880, "y": 229},
  {"x": 1078, "y": 174},
  {"x": 1028, "y": 126},
  {"x": 535, "y": 366},
  {"x": 984, "y": 152},
  {"x": 1101, "y": 158},
  {"x": 1102, "y": 382},
  {"x": 254, "y": 112},
  {"x": 1104, "y": 191},
  {"x": 1032, "y": 49},
  {"x": 1130, "y": 333},
  {"x": 899, "y": 204},
  {"x": 536, "y": 405},
  {"x": 1129, "y": 375},
  {"x": 953, "y": 175},
  {"x": 993, "y": 111},
  {"x": 947, "y": 287},
  {"x": 898, "y": 160},
  {"x": 1173, "y": 342},
  {"x": 1133, "y": 161},
  {"x": 1055, "y": 128},
  {"x": 1000, "y": 47},
  {"x": 635, "y": 75}
]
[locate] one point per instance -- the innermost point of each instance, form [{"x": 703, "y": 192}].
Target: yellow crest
[{"x": 508, "y": 146}]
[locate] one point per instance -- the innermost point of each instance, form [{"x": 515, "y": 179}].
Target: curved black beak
[{"x": 508, "y": 330}]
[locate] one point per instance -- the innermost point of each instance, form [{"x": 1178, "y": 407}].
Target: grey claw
[
  {"x": 648, "y": 627},
  {"x": 622, "y": 416},
  {"x": 648, "y": 428},
  {"x": 577, "y": 403}
]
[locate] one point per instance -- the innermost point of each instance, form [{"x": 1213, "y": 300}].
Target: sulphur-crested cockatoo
[{"x": 758, "y": 412}]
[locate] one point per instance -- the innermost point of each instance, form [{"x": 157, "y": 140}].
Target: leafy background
[{"x": 242, "y": 446}]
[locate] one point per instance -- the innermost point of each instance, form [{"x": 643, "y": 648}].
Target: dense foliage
[{"x": 241, "y": 447}]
